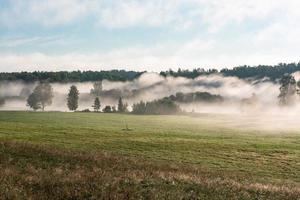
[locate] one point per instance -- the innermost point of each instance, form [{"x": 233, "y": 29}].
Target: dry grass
[{"x": 40, "y": 172}]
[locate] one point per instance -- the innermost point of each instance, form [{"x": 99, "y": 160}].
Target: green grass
[{"x": 214, "y": 145}]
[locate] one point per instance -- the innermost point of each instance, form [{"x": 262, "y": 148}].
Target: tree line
[
  {"x": 75, "y": 76},
  {"x": 261, "y": 71},
  {"x": 243, "y": 72},
  {"x": 42, "y": 96}
]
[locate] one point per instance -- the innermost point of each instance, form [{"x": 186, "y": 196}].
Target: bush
[{"x": 107, "y": 109}]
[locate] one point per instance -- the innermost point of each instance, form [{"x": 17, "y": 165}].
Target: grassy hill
[{"x": 91, "y": 155}]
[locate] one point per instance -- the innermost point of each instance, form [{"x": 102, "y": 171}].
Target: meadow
[{"x": 57, "y": 155}]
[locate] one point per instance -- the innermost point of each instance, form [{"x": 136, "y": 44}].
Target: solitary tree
[
  {"x": 73, "y": 97},
  {"x": 121, "y": 106},
  {"x": 41, "y": 97},
  {"x": 33, "y": 101},
  {"x": 288, "y": 90},
  {"x": 97, "y": 104},
  {"x": 97, "y": 89}
]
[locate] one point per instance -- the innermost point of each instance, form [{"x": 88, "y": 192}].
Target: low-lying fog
[
  {"x": 253, "y": 103},
  {"x": 240, "y": 96}
]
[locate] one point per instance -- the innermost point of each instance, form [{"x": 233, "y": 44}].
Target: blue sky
[{"x": 148, "y": 35}]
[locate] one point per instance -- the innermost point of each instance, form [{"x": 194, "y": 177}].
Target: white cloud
[
  {"x": 175, "y": 13},
  {"x": 44, "y": 12},
  {"x": 119, "y": 14},
  {"x": 37, "y": 40},
  {"x": 196, "y": 53},
  {"x": 270, "y": 32}
]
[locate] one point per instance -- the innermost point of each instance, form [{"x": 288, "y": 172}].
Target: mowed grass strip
[{"x": 206, "y": 142}]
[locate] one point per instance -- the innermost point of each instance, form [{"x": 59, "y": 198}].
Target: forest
[{"x": 244, "y": 72}]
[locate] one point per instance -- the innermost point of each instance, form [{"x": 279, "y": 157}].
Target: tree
[
  {"x": 41, "y": 97},
  {"x": 97, "y": 89},
  {"x": 298, "y": 87},
  {"x": 288, "y": 90},
  {"x": 97, "y": 104},
  {"x": 73, "y": 97},
  {"x": 33, "y": 101},
  {"x": 107, "y": 109},
  {"x": 121, "y": 106},
  {"x": 2, "y": 101}
]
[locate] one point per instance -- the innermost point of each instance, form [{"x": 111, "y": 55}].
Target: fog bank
[{"x": 240, "y": 96}]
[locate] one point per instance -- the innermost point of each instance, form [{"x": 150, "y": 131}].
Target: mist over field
[{"x": 239, "y": 96}]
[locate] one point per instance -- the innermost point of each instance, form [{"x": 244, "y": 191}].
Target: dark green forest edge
[{"x": 243, "y": 72}]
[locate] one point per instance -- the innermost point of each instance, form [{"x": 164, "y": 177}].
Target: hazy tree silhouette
[
  {"x": 33, "y": 101},
  {"x": 288, "y": 90},
  {"x": 122, "y": 107},
  {"x": 41, "y": 97},
  {"x": 73, "y": 97},
  {"x": 2, "y": 101},
  {"x": 107, "y": 109},
  {"x": 97, "y": 89},
  {"x": 97, "y": 104}
]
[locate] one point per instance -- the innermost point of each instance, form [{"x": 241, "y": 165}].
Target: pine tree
[
  {"x": 97, "y": 104},
  {"x": 121, "y": 106},
  {"x": 73, "y": 97}
]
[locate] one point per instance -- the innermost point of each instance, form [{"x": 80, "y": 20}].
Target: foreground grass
[{"x": 94, "y": 156}]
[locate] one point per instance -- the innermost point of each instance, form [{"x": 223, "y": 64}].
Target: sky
[{"x": 152, "y": 35}]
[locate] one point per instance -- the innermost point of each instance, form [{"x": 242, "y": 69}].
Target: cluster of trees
[
  {"x": 42, "y": 96},
  {"x": 273, "y": 72},
  {"x": 163, "y": 106},
  {"x": 195, "y": 97},
  {"x": 289, "y": 90},
  {"x": 75, "y": 76},
  {"x": 96, "y": 91},
  {"x": 122, "y": 107}
]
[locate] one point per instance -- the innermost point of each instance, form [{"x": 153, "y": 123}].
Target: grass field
[{"x": 94, "y": 156}]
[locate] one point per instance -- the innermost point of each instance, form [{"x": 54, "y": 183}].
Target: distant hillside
[{"x": 243, "y": 72}]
